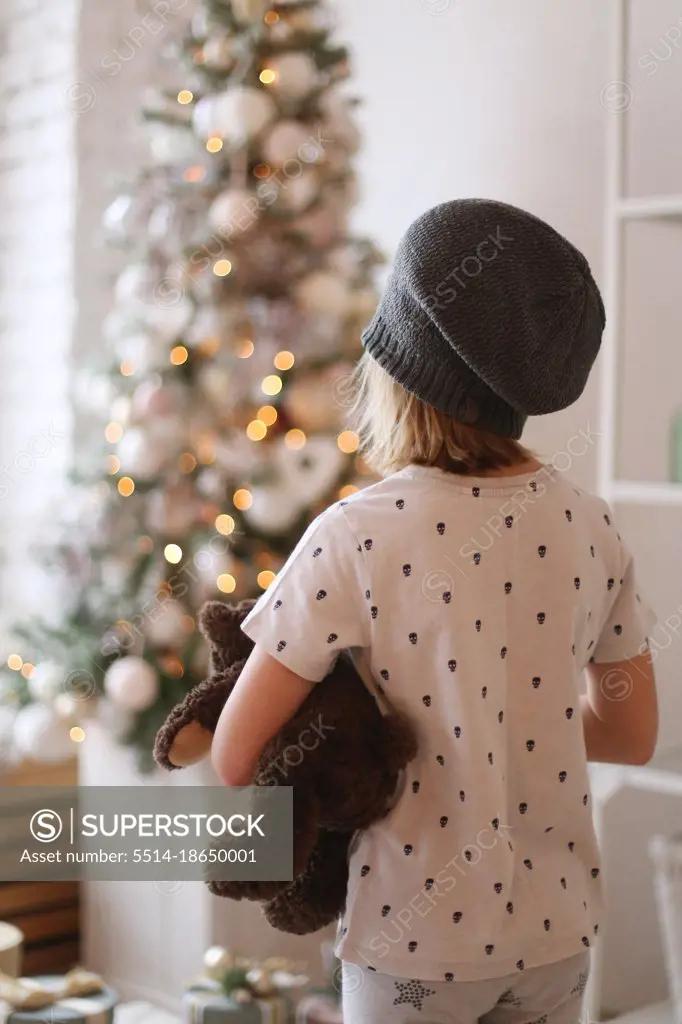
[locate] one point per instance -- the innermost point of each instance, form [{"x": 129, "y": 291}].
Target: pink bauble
[
  {"x": 320, "y": 226},
  {"x": 132, "y": 683}
]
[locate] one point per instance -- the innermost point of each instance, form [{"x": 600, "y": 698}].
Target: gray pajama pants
[{"x": 542, "y": 995}]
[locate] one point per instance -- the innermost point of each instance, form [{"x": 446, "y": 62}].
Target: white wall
[{"x": 37, "y": 197}]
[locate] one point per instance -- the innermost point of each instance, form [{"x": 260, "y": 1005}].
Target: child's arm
[
  {"x": 266, "y": 696},
  {"x": 620, "y": 711}
]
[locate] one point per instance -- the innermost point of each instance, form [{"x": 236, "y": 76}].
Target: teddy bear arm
[{"x": 186, "y": 736}]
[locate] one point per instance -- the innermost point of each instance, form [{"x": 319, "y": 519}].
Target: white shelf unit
[{"x": 664, "y": 774}]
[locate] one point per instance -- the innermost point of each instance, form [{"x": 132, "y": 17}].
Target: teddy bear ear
[{"x": 220, "y": 623}]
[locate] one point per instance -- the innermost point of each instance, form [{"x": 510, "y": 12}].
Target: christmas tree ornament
[
  {"x": 169, "y": 311},
  {"x": 237, "y": 115},
  {"x": 290, "y": 140},
  {"x": 217, "y": 962},
  {"x": 249, "y": 11},
  {"x": 153, "y": 398},
  {"x": 131, "y": 683},
  {"x": 135, "y": 284},
  {"x": 40, "y": 735},
  {"x": 173, "y": 510},
  {"x": 324, "y": 293},
  {"x": 215, "y": 381},
  {"x": 220, "y": 52},
  {"x": 320, "y": 227},
  {"x": 172, "y": 144},
  {"x": 295, "y": 75},
  {"x": 141, "y": 454},
  {"x": 298, "y": 192},
  {"x": 66, "y": 708},
  {"x": 47, "y": 681},
  {"x": 166, "y": 624},
  {"x": 233, "y": 211}
]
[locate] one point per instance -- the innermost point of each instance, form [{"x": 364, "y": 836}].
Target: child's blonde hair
[{"x": 396, "y": 428}]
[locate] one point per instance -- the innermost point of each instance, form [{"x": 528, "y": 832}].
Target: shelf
[
  {"x": 661, "y": 1013},
  {"x": 649, "y": 208},
  {"x": 640, "y": 493}
]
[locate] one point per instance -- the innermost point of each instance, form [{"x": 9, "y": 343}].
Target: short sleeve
[
  {"x": 317, "y": 606},
  {"x": 630, "y": 620}
]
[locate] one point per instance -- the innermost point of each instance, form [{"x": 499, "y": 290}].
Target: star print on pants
[{"x": 412, "y": 992}]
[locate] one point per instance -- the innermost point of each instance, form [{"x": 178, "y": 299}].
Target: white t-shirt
[{"x": 475, "y": 604}]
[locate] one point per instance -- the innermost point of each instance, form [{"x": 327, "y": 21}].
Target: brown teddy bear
[{"x": 345, "y": 783}]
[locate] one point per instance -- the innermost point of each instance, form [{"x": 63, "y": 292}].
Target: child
[{"x": 476, "y": 586}]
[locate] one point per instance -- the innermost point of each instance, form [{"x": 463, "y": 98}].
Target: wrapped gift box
[
  {"x": 94, "y": 1009},
  {"x": 320, "y": 1008},
  {"x": 206, "y": 1006}
]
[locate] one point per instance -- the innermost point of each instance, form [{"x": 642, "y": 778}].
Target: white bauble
[
  {"x": 249, "y": 11},
  {"x": 132, "y": 683},
  {"x": 41, "y": 735},
  {"x": 217, "y": 962},
  {"x": 320, "y": 226},
  {"x": 121, "y": 216},
  {"x": 313, "y": 469},
  {"x": 165, "y": 626},
  {"x": 144, "y": 351},
  {"x": 324, "y": 293},
  {"x": 170, "y": 144},
  {"x": 220, "y": 52},
  {"x": 296, "y": 194},
  {"x": 169, "y": 311},
  {"x": 115, "y": 573},
  {"x": 135, "y": 283},
  {"x": 142, "y": 455},
  {"x": 233, "y": 212},
  {"x": 47, "y": 681},
  {"x": 215, "y": 381},
  {"x": 275, "y": 508},
  {"x": 290, "y": 140},
  {"x": 172, "y": 511},
  {"x": 296, "y": 75},
  {"x": 239, "y": 114},
  {"x": 344, "y": 261},
  {"x": 113, "y": 719},
  {"x": 152, "y": 398}
]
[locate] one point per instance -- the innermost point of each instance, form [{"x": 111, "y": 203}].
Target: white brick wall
[{"x": 37, "y": 197}]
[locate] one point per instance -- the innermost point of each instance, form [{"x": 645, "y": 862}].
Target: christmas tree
[{"x": 222, "y": 375}]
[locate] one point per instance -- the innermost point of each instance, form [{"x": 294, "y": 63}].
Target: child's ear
[{"x": 221, "y": 623}]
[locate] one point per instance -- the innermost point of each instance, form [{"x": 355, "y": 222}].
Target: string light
[
  {"x": 188, "y": 623},
  {"x": 179, "y": 355},
  {"x": 172, "y": 553},
  {"x": 246, "y": 349},
  {"x": 222, "y": 268},
  {"x": 271, "y": 18},
  {"x": 268, "y": 414},
  {"x": 127, "y": 368},
  {"x": 272, "y": 385},
  {"x": 195, "y": 174},
  {"x": 185, "y": 96},
  {"x": 172, "y": 666},
  {"x": 242, "y": 499},
  {"x": 77, "y": 734},
  {"x": 126, "y": 486},
  {"x": 294, "y": 439},
  {"x": 15, "y": 662},
  {"x": 113, "y": 432},
  {"x": 145, "y": 545},
  {"x": 262, "y": 171},
  {"x": 265, "y": 578},
  {"x": 256, "y": 430},
  {"x": 267, "y": 76},
  {"x": 214, "y": 144},
  {"x": 348, "y": 441},
  {"x": 226, "y": 584},
  {"x": 225, "y": 524},
  {"x": 113, "y": 464},
  {"x": 187, "y": 462},
  {"x": 349, "y": 489},
  {"x": 28, "y": 670},
  {"x": 284, "y": 360}
]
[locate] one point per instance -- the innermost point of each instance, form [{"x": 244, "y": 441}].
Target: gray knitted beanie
[{"x": 489, "y": 315}]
